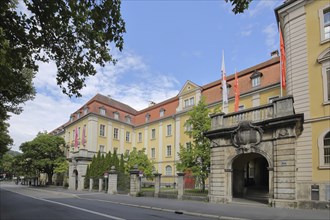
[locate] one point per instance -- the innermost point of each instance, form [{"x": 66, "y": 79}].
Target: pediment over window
[
  {"x": 189, "y": 87},
  {"x": 325, "y": 55},
  {"x": 256, "y": 74}
]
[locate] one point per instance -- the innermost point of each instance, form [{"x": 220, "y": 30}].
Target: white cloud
[
  {"x": 262, "y": 5},
  {"x": 247, "y": 30},
  {"x": 271, "y": 36},
  {"x": 130, "y": 81}
]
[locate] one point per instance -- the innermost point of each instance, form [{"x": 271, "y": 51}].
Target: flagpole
[{"x": 279, "y": 27}]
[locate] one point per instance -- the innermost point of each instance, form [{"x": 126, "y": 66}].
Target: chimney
[
  {"x": 274, "y": 54},
  {"x": 151, "y": 103}
]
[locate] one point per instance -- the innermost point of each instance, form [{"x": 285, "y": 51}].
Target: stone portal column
[
  {"x": 112, "y": 186},
  {"x": 135, "y": 182},
  {"x": 180, "y": 185},
  {"x": 271, "y": 184},
  {"x": 90, "y": 184},
  {"x": 100, "y": 184},
  {"x": 157, "y": 183}
]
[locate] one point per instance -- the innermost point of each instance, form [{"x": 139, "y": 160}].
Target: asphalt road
[{"x": 24, "y": 204}]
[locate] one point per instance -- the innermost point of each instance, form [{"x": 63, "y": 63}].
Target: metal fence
[
  {"x": 123, "y": 183},
  {"x": 168, "y": 187},
  {"x": 193, "y": 188}
]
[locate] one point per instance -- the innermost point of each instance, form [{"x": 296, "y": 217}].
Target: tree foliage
[
  {"x": 140, "y": 158},
  {"x": 196, "y": 157},
  {"x": 239, "y": 6},
  {"x": 43, "y": 154},
  {"x": 74, "y": 34},
  {"x": 5, "y": 139}
]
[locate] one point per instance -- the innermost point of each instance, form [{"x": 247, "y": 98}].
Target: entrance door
[{"x": 250, "y": 177}]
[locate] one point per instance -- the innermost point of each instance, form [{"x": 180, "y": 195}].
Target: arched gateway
[{"x": 253, "y": 153}]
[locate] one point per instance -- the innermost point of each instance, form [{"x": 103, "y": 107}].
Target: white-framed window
[
  {"x": 147, "y": 117},
  {"x": 153, "y": 152},
  {"x": 255, "y": 81},
  {"x": 256, "y": 78},
  {"x": 241, "y": 107},
  {"x": 128, "y": 119},
  {"x": 168, "y": 130},
  {"x": 140, "y": 136},
  {"x": 326, "y": 146},
  {"x": 102, "y": 130},
  {"x": 115, "y": 149},
  {"x": 153, "y": 133},
  {"x": 188, "y": 127},
  {"x": 116, "y": 115},
  {"x": 324, "y": 16},
  {"x": 127, "y": 152},
  {"x": 168, "y": 150},
  {"x": 189, "y": 102},
  {"x": 324, "y": 149},
  {"x": 102, "y": 111},
  {"x": 78, "y": 115},
  {"x": 324, "y": 60},
  {"x": 71, "y": 119},
  {"x": 85, "y": 111},
  {"x": 271, "y": 99},
  {"x": 168, "y": 170},
  {"x": 161, "y": 112},
  {"x": 116, "y": 133},
  {"x": 128, "y": 134},
  {"x": 102, "y": 148}
]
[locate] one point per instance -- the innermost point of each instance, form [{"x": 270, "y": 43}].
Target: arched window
[
  {"x": 324, "y": 60},
  {"x": 326, "y": 146},
  {"x": 324, "y": 150},
  {"x": 168, "y": 170}
]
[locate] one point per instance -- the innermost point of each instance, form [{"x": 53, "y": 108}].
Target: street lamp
[{"x": 106, "y": 175}]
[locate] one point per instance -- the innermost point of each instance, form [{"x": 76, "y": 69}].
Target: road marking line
[{"x": 71, "y": 206}]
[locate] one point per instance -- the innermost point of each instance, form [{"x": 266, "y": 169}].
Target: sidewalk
[{"x": 216, "y": 211}]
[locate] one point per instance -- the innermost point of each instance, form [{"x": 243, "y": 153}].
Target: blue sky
[{"x": 166, "y": 44}]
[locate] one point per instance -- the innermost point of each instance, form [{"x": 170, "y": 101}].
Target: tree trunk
[
  {"x": 50, "y": 177},
  {"x": 203, "y": 184}
]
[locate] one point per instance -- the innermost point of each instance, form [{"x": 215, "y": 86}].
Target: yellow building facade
[
  {"x": 306, "y": 31},
  {"x": 104, "y": 124}
]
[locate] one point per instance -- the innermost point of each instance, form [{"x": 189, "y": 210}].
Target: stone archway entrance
[{"x": 250, "y": 177}]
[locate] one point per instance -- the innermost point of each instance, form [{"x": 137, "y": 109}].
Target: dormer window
[
  {"x": 128, "y": 119},
  {"x": 189, "y": 102},
  {"x": 256, "y": 78},
  {"x": 102, "y": 110},
  {"x": 71, "y": 118},
  {"x": 85, "y": 110},
  {"x": 162, "y": 112},
  {"x": 116, "y": 115},
  {"x": 78, "y": 115},
  {"x": 147, "y": 117}
]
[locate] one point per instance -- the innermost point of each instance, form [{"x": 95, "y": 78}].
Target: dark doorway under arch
[
  {"x": 75, "y": 174},
  {"x": 250, "y": 177}
]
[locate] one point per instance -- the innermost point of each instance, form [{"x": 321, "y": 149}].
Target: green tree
[
  {"x": 5, "y": 139},
  {"x": 196, "y": 157},
  {"x": 239, "y": 6},
  {"x": 43, "y": 153},
  {"x": 6, "y": 164},
  {"x": 76, "y": 35},
  {"x": 140, "y": 159}
]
